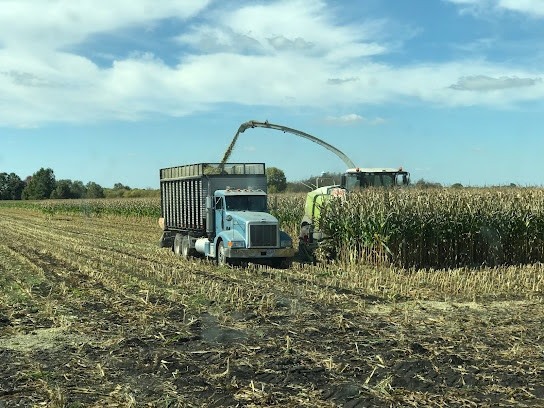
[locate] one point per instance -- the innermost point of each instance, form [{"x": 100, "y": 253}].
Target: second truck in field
[{"x": 220, "y": 211}]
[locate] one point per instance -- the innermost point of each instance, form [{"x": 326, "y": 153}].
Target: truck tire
[
  {"x": 186, "y": 250},
  {"x": 220, "y": 257},
  {"x": 177, "y": 244}
]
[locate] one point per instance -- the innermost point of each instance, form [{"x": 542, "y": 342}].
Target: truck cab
[{"x": 245, "y": 230}]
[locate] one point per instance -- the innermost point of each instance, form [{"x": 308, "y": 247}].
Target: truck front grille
[{"x": 263, "y": 235}]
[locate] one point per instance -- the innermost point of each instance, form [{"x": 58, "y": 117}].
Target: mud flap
[{"x": 167, "y": 239}]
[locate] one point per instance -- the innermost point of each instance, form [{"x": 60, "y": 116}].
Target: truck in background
[{"x": 220, "y": 211}]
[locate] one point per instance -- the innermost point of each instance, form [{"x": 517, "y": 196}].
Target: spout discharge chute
[{"x": 254, "y": 124}]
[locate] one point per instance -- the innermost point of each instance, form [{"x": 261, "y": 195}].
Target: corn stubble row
[{"x": 437, "y": 228}]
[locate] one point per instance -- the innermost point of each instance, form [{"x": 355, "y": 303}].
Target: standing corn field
[
  {"x": 438, "y": 228},
  {"x": 130, "y": 207},
  {"x": 288, "y": 209}
]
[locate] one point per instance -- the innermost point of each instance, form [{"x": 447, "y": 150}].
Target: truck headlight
[
  {"x": 236, "y": 244},
  {"x": 286, "y": 243}
]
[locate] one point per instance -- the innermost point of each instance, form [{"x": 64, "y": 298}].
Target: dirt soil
[{"x": 93, "y": 316}]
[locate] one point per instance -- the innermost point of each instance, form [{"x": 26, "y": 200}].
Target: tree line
[{"x": 43, "y": 185}]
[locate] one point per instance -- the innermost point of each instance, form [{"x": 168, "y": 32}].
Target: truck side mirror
[{"x": 209, "y": 203}]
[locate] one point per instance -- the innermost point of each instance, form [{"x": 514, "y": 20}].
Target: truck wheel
[
  {"x": 186, "y": 250},
  {"x": 177, "y": 244},
  {"x": 221, "y": 257},
  {"x": 281, "y": 263}
]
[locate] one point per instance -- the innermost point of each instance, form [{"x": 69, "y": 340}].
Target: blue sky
[{"x": 452, "y": 90}]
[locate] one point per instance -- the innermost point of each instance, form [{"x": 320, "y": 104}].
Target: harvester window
[
  {"x": 402, "y": 179},
  {"x": 362, "y": 180},
  {"x": 387, "y": 180},
  {"x": 352, "y": 182},
  {"x": 378, "y": 180}
]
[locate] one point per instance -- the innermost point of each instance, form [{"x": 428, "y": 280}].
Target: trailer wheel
[
  {"x": 186, "y": 250},
  {"x": 177, "y": 244},
  {"x": 221, "y": 257}
]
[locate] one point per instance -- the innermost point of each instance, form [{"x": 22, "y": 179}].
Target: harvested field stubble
[{"x": 92, "y": 313}]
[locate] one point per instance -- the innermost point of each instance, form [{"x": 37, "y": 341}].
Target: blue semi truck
[{"x": 220, "y": 211}]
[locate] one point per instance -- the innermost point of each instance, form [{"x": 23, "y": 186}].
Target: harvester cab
[{"x": 374, "y": 177}]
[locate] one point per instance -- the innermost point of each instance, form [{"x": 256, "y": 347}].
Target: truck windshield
[
  {"x": 362, "y": 180},
  {"x": 246, "y": 203}
]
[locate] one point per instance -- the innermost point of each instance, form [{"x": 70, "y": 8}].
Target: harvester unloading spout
[{"x": 253, "y": 124}]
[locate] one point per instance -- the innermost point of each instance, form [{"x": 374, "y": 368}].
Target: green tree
[
  {"x": 40, "y": 186},
  {"x": 119, "y": 186},
  {"x": 3, "y": 186},
  {"x": 421, "y": 183},
  {"x": 11, "y": 186},
  {"x": 16, "y": 186},
  {"x": 63, "y": 189},
  {"x": 275, "y": 180},
  {"x": 78, "y": 189},
  {"x": 118, "y": 190},
  {"x": 94, "y": 190}
]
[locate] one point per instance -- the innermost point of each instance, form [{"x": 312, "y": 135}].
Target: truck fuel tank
[{"x": 204, "y": 246}]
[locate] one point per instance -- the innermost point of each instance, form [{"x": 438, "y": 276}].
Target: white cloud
[
  {"x": 283, "y": 53},
  {"x": 300, "y": 26},
  {"x": 352, "y": 119},
  {"x": 340, "y": 81},
  {"x": 281, "y": 43},
  {"x": 348, "y": 119},
  {"x": 531, "y": 7},
  {"x": 37, "y": 24},
  {"x": 485, "y": 83},
  {"x": 474, "y": 7},
  {"x": 534, "y": 8},
  {"x": 214, "y": 39}
]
